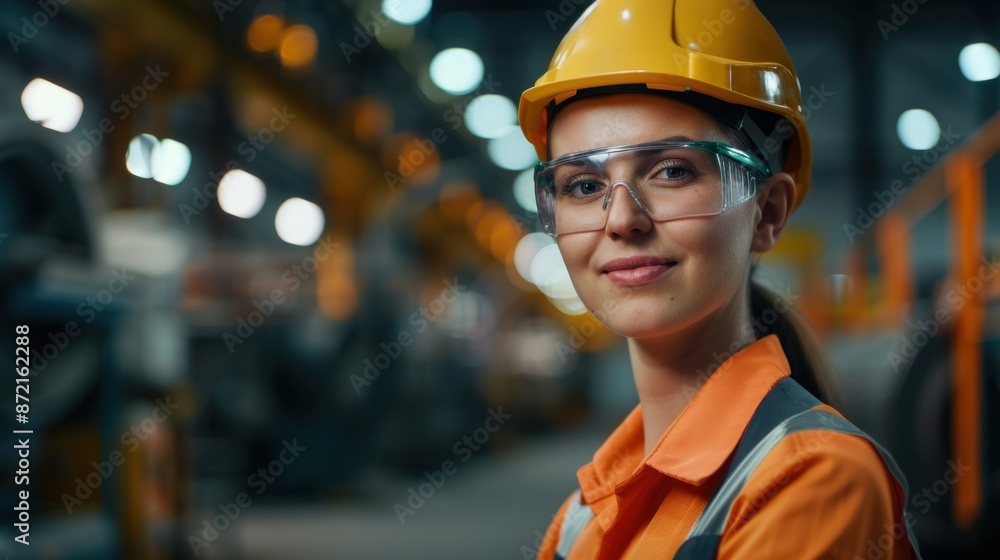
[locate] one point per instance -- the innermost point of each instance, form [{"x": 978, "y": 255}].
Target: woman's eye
[
  {"x": 582, "y": 188},
  {"x": 674, "y": 171}
]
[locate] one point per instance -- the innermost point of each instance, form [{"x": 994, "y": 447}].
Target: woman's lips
[
  {"x": 638, "y": 276},
  {"x": 638, "y": 270}
]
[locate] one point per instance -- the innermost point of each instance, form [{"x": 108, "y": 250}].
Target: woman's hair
[{"x": 809, "y": 363}]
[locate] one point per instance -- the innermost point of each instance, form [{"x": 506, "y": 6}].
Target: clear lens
[{"x": 668, "y": 180}]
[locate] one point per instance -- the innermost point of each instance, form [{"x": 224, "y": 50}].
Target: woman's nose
[{"x": 625, "y": 213}]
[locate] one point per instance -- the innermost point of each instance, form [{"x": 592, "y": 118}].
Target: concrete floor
[{"x": 493, "y": 508}]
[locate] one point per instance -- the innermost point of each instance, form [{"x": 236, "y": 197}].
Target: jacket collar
[{"x": 703, "y": 436}]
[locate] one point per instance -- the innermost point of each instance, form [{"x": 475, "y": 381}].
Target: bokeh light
[
  {"x": 51, "y": 106},
  {"x": 298, "y": 46},
  {"x": 167, "y": 161},
  {"x": 171, "y": 162},
  {"x": 918, "y": 129},
  {"x": 457, "y": 70},
  {"x": 490, "y": 116},
  {"x": 524, "y": 190},
  {"x": 406, "y": 12},
  {"x": 979, "y": 62},
  {"x": 265, "y": 33},
  {"x": 512, "y": 151},
  {"x": 299, "y": 222},
  {"x": 241, "y": 194}
]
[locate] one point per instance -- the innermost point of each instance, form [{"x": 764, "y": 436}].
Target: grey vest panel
[
  {"x": 704, "y": 538},
  {"x": 577, "y": 517}
]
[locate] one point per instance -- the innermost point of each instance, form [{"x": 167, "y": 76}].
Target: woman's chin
[{"x": 643, "y": 321}]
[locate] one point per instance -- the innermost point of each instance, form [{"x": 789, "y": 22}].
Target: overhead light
[
  {"x": 167, "y": 161},
  {"x": 490, "y": 116},
  {"x": 512, "y": 151},
  {"x": 299, "y": 222},
  {"x": 298, "y": 46},
  {"x": 241, "y": 194},
  {"x": 569, "y": 306},
  {"x": 524, "y": 190},
  {"x": 51, "y": 106},
  {"x": 918, "y": 129},
  {"x": 265, "y": 32},
  {"x": 457, "y": 70},
  {"x": 406, "y": 12},
  {"x": 549, "y": 273},
  {"x": 139, "y": 155},
  {"x": 526, "y": 250},
  {"x": 172, "y": 161},
  {"x": 979, "y": 62}
]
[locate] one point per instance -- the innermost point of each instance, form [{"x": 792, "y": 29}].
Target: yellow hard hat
[{"x": 723, "y": 49}]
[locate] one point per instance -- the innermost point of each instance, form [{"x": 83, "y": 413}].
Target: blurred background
[{"x": 286, "y": 295}]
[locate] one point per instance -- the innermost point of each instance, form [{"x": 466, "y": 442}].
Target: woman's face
[{"x": 705, "y": 259}]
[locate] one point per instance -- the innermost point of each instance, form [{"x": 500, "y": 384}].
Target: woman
[{"x": 674, "y": 150}]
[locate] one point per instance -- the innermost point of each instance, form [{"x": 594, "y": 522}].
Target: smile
[{"x": 638, "y": 276}]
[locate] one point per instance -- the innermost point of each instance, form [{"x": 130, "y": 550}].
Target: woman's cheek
[
  {"x": 713, "y": 247},
  {"x": 576, "y": 254}
]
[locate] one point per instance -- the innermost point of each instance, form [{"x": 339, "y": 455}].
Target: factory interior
[{"x": 280, "y": 269}]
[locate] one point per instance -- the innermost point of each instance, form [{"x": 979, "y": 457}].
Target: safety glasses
[{"x": 667, "y": 180}]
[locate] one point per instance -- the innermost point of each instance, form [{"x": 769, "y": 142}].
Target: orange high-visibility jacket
[{"x": 821, "y": 490}]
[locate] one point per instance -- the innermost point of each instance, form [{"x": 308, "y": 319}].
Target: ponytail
[{"x": 810, "y": 365}]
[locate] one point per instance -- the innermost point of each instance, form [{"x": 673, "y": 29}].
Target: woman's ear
[{"x": 774, "y": 207}]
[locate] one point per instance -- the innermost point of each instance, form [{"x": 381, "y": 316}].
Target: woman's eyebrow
[
  {"x": 679, "y": 138},
  {"x": 675, "y": 138}
]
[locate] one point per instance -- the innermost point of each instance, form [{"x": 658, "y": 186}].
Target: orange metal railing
[{"x": 958, "y": 181}]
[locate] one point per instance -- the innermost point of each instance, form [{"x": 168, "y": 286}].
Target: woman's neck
[{"x": 669, "y": 369}]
